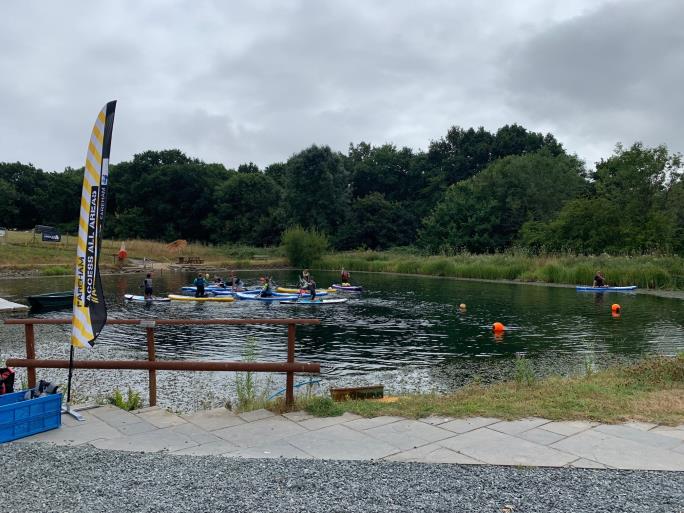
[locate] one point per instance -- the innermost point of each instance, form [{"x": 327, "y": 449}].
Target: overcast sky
[{"x": 259, "y": 82}]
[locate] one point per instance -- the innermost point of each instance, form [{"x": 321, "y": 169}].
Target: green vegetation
[
  {"x": 132, "y": 401},
  {"x": 322, "y": 407},
  {"x": 248, "y": 395},
  {"x": 650, "y": 391},
  {"x": 303, "y": 247},
  {"x": 653, "y": 272},
  {"x": 56, "y": 270}
]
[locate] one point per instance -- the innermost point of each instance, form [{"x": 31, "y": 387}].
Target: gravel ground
[{"x": 44, "y": 478}]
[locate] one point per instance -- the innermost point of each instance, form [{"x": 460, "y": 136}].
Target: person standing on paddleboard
[
  {"x": 345, "y": 277},
  {"x": 147, "y": 285},
  {"x": 311, "y": 285},
  {"x": 599, "y": 280},
  {"x": 199, "y": 285}
]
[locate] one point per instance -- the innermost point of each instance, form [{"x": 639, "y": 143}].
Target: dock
[{"x": 10, "y": 307}]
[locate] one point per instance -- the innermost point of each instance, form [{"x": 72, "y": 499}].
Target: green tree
[
  {"x": 248, "y": 207},
  {"x": 317, "y": 189},
  {"x": 8, "y": 208},
  {"x": 486, "y": 212}
]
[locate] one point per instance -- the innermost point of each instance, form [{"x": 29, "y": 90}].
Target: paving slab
[
  {"x": 261, "y": 431},
  {"x": 669, "y": 431},
  {"x": 540, "y": 436},
  {"x": 298, "y": 416},
  {"x": 159, "y": 440},
  {"x": 254, "y": 415},
  {"x": 642, "y": 426},
  {"x": 210, "y": 449},
  {"x": 408, "y": 434},
  {"x": 161, "y": 418},
  {"x": 322, "y": 422},
  {"x": 196, "y": 433},
  {"x": 639, "y": 436},
  {"x": 76, "y": 435},
  {"x": 469, "y": 424},
  {"x": 498, "y": 448},
  {"x": 340, "y": 442},
  {"x": 620, "y": 452},
  {"x": 435, "y": 420},
  {"x": 433, "y": 453},
  {"x": 363, "y": 424},
  {"x": 211, "y": 420},
  {"x": 514, "y": 427},
  {"x": 568, "y": 428},
  {"x": 275, "y": 449},
  {"x": 585, "y": 463}
]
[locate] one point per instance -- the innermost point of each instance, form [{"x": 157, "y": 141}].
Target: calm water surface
[{"x": 400, "y": 325}]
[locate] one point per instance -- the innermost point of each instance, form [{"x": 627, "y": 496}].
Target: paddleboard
[
  {"x": 275, "y": 297},
  {"x": 332, "y": 301},
  {"x": 319, "y": 292},
  {"x": 580, "y": 288},
  {"x": 142, "y": 299},
  {"x": 223, "y": 299},
  {"x": 347, "y": 288}
]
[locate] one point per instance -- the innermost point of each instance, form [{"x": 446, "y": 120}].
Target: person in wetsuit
[
  {"x": 147, "y": 285},
  {"x": 599, "y": 280}
]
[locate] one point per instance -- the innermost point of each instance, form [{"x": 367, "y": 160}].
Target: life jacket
[{"x": 6, "y": 380}]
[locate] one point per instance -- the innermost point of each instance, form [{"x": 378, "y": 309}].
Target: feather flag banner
[{"x": 90, "y": 310}]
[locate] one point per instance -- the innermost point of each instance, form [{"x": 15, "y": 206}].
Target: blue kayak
[
  {"x": 276, "y": 296},
  {"x": 307, "y": 301},
  {"x": 580, "y": 288}
]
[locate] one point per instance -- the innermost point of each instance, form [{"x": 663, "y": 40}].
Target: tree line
[{"x": 471, "y": 190}]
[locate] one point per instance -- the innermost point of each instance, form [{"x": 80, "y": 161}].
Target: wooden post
[
  {"x": 152, "y": 373},
  {"x": 289, "y": 385},
  {"x": 30, "y": 353}
]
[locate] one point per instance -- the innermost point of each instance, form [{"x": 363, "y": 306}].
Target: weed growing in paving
[{"x": 133, "y": 401}]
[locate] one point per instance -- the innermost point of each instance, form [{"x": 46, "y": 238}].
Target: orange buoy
[
  {"x": 615, "y": 308},
  {"x": 497, "y": 327}
]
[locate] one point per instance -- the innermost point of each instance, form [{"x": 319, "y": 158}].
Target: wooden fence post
[
  {"x": 289, "y": 385},
  {"x": 30, "y": 353},
  {"x": 152, "y": 373}
]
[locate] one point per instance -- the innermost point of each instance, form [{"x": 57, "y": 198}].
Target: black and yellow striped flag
[{"x": 90, "y": 310}]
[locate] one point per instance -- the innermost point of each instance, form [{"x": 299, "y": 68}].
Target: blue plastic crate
[{"x": 20, "y": 418}]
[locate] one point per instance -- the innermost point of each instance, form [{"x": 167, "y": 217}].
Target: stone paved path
[{"x": 479, "y": 440}]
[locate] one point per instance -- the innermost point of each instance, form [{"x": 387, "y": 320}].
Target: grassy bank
[
  {"x": 22, "y": 251},
  {"x": 650, "y": 391},
  {"x": 652, "y": 272}
]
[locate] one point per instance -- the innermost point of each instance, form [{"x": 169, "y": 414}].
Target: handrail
[{"x": 152, "y": 365}]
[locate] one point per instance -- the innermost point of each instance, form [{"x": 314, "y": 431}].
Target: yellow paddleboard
[
  {"x": 221, "y": 299},
  {"x": 296, "y": 291}
]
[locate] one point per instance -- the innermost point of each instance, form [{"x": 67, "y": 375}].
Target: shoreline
[{"x": 35, "y": 273}]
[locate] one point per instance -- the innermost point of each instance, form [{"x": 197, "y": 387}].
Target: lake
[{"x": 404, "y": 331}]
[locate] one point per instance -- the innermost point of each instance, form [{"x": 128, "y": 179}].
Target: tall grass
[{"x": 650, "y": 272}]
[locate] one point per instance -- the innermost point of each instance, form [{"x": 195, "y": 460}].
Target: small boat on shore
[
  {"x": 52, "y": 300},
  {"x": 346, "y": 394}
]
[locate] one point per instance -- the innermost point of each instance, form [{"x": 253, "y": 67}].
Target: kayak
[
  {"x": 223, "y": 299},
  {"x": 347, "y": 288},
  {"x": 275, "y": 297},
  {"x": 319, "y": 292},
  {"x": 332, "y": 301},
  {"x": 580, "y": 288},
  {"x": 142, "y": 299}
]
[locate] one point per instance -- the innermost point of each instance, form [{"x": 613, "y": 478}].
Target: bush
[
  {"x": 304, "y": 247},
  {"x": 323, "y": 407},
  {"x": 56, "y": 270}
]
